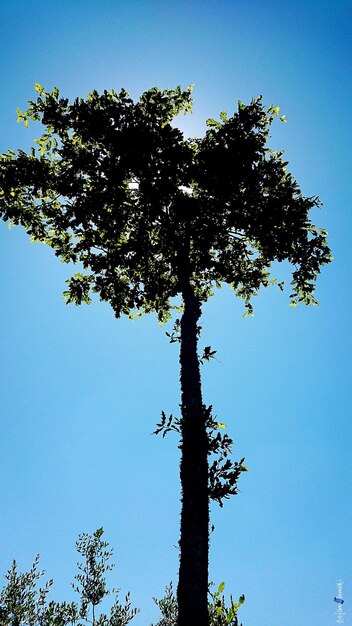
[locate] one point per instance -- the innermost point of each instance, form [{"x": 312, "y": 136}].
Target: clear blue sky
[{"x": 81, "y": 392}]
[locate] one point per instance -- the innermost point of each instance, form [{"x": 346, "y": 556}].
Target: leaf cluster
[
  {"x": 167, "y": 425},
  {"x": 175, "y": 335},
  {"x": 219, "y": 613},
  {"x": 208, "y": 354},
  {"x": 91, "y": 581},
  {"x": 112, "y": 185},
  {"x": 224, "y": 472}
]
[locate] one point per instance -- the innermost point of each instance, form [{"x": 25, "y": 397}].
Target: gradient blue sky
[{"x": 81, "y": 392}]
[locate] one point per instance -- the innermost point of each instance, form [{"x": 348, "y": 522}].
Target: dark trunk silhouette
[{"x": 194, "y": 542}]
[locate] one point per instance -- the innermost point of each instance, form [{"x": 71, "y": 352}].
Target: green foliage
[
  {"x": 219, "y": 613},
  {"x": 91, "y": 581},
  {"x": 112, "y": 185},
  {"x": 223, "y": 471},
  {"x": 19, "y": 599},
  {"x": 22, "y": 603},
  {"x": 78, "y": 291},
  {"x": 168, "y": 608}
]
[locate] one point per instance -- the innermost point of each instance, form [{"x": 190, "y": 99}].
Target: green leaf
[
  {"x": 236, "y": 606},
  {"x": 213, "y": 123},
  {"x": 221, "y": 588},
  {"x": 39, "y": 88},
  {"x": 20, "y": 115}
]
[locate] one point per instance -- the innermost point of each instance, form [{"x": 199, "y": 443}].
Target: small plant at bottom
[
  {"x": 219, "y": 613},
  {"x": 168, "y": 608},
  {"x": 22, "y": 603}
]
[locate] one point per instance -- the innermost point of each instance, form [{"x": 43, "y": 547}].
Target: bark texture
[{"x": 192, "y": 593}]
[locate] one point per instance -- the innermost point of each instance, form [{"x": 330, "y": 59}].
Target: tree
[
  {"x": 23, "y": 604},
  {"x": 152, "y": 216}
]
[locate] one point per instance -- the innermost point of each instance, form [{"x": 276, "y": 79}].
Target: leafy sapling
[{"x": 92, "y": 583}]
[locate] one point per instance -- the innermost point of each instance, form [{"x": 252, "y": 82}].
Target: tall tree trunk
[{"x": 192, "y": 592}]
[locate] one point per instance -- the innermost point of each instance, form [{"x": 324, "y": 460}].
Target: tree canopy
[{"x": 113, "y": 185}]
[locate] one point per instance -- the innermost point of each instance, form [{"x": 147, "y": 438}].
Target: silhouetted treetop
[{"x": 113, "y": 185}]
